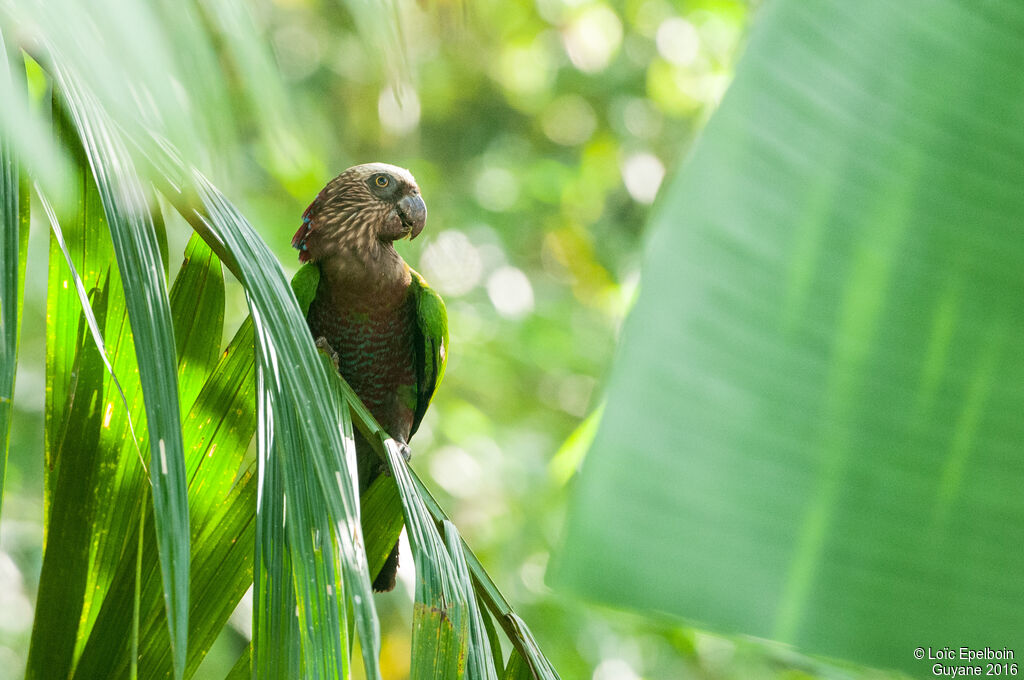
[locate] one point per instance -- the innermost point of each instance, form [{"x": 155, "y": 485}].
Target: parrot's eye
[{"x": 382, "y": 181}]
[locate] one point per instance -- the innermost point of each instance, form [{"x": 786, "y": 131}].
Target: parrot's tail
[{"x": 385, "y": 580}]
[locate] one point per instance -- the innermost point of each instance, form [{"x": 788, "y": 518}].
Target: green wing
[
  {"x": 304, "y": 285},
  {"x": 431, "y": 344}
]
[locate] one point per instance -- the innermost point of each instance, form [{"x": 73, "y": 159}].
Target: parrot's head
[{"x": 364, "y": 206}]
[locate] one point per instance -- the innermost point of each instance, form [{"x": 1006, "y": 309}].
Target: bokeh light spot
[
  {"x": 642, "y": 174},
  {"x": 399, "y": 109},
  {"x": 641, "y": 119},
  {"x": 298, "y": 50},
  {"x": 593, "y": 38},
  {"x": 526, "y": 69},
  {"x": 496, "y": 189},
  {"x": 15, "y": 608},
  {"x": 614, "y": 669},
  {"x": 650, "y": 15},
  {"x": 456, "y": 471},
  {"x": 451, "y": 263},
  {"x": 532, "y": 572},
  {"x": 510, "y": 292},
  {"x": 678, "y": 41},
  {"x": 569, "y": 120}
]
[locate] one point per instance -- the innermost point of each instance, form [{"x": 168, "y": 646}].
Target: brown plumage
[{"x": 365, "y": 306}]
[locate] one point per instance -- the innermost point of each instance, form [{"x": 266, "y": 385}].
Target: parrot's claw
[{"x": 325, "y": 347}]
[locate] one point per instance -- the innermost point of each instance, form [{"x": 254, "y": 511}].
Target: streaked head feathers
[{"x": 362, "y": 208}]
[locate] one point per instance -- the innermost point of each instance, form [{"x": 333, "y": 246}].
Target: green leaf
[
  {"x": 80, "y": 258},
  {"x": 62, "y": 581},
  {"x": 440, "y": 624},
  {"x": 221, "y": 573},
  {"x": 515, "y": 628},
  {"x": 813, "y": 426},
  {"x": 242, "y": 668},
  {"x": 14, "y": 223},
  {"x": 494, "y": 642},
  {"x": 217, "y": 431},
  {"x": 137, "y": 595},
  {"x": 197, "y": 308},
  {"x": 517, "y": 668},
  {"x": 28, "y": 137},
  {"x": 382, "y": 520},
  {"x": 479, "y": 661},
  {"x": 440, "y": 633},
  {"x": 198, "y": 289},
  {"x": 118, "y": 476},
  {"x": 138, "y": 257},
  {"x": 89, "y": 250},
  {"x": 276, "y": 642}
]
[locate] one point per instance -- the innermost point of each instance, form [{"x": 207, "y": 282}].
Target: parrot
[{"x": 385, "y": 328}]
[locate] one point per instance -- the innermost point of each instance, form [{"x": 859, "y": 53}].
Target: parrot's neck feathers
[{"x": 366, "y": 271}]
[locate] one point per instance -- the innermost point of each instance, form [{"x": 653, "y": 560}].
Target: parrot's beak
[{"x": 413, "y": 212}]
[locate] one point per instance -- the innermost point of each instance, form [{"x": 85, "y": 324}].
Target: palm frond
[
  {"x": 79, "y": 411},
  {"x": 440, "y": 621},
  {"x": 74, "y": 448},
  {"x": 479, "y": 659},
  {"x": 221, "y": 539},
  {"x": 138, "y": 256},
  {"x": 517, "y": 668}
]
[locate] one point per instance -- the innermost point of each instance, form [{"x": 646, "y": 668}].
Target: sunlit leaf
[
  {"x": 62, "y": 581},
  {"x": 514, "y": 627},
  {"x": 82, "y": 296},
  {"x": 217, "y": 431},
  {"x": 138, "y": 257},
  {"x": 197, "y": 308},
  {"x": 276, "y": 641}
]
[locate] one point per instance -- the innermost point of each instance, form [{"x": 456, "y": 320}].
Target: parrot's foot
[{"x": 325, "y": 347}]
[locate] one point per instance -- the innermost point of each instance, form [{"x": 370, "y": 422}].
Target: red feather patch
[{"x": 299, "y": 240}]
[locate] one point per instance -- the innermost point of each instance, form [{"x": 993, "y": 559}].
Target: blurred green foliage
[{"x": 539, "y": 133}]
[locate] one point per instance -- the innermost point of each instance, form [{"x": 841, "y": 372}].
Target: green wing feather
[
  {"x": 431, "y": 344},
  {"x": 304, "y": 285}
]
